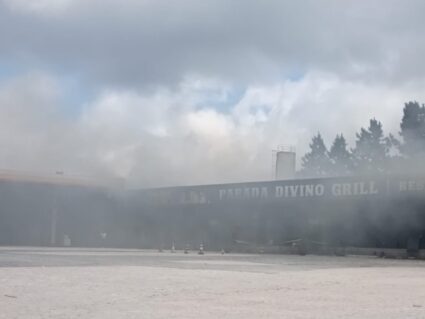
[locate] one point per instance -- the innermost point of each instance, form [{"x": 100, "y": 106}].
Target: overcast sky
[{"x": 186, "y": 92}]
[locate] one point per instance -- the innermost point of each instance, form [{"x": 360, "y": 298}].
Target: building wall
[{"x": 385, "y": 213}]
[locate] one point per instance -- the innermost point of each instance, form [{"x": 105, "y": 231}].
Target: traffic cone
[
  {"x": 173, "y": 248},
  {"x": 222, "y": 251},
  {"x": 201, "y": 249},
  {"x": 186, "y": 249}
]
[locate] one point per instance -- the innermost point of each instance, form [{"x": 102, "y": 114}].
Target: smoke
[
  {"x": 174, "y": 137},
  {"x": 166, "y": 93}
]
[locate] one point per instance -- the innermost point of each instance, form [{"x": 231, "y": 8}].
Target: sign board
[{"x": 301, "y": 189}]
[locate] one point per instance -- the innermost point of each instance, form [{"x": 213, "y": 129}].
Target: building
[
  {"x": 381, "y": 212},
  {"x": 45, "y": 210}
]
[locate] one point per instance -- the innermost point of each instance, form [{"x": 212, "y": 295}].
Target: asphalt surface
[
  {"x": 39, "y": 283},
  {"x": 74, "y": 257}
]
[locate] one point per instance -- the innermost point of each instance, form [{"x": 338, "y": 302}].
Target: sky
[{"x": 163, "y": 93}]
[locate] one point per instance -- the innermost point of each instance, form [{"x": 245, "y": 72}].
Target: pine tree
[
  {"x": 413, "y": 130},
  {"x": 372, "y": 151},
  {"x": 316, "y": 162},
  {"x": 340, "y": 157}
]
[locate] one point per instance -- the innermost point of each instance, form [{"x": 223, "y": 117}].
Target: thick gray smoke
[{"x": 161, "y": 93}]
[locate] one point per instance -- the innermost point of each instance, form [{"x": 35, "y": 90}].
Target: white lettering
[
  {"x": 302, "y": 190},
  {"x": 372, "y": 188},
  {"x": 279, "y": 191},
  {"x": 264, "y": 192},
  {"x": 255, "y": 192},
  {"x": 356, "y": 189},
  {"x": 221, "y": 194},
  {"x": 363, "y": 190},
  {"x": 319, "y": 189},
  {"x": 309, "y": 190},
  {"x": 346, "y": 189},
  {"x": 230, "y": 193},
  {"x": 294, "y": 190},
  {"x": 336, "y": 189},
  {"x": 246, "y": 193}
]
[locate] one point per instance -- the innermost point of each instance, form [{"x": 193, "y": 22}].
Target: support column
[{"x": 53, "y": 223}]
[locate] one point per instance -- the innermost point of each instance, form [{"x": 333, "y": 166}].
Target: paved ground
[{"x": 83, "y": 283}]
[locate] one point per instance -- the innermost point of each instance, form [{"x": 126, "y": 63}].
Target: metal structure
[{"x": 283, "y": 162}]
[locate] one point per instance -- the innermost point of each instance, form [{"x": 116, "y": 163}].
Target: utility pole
[
  {"x": 53, "y": 222},
  {"x": 54, "y": 214}
]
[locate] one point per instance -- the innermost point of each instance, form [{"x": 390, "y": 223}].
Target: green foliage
[
  {"x": 340, "y": 158},
  {"x": 316, "y": 162},
  {"x": 413, "y": 130},
  {"x": 372, "y": 149},
  {"x": 374, "y": 153}
]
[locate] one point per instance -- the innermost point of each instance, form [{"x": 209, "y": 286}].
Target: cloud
[
  {"x": 165, "y": 137},
  {"x": 143, "y": 44},
  {"x": 185, "y": 92},
  {"x": 43, "y": 7}
]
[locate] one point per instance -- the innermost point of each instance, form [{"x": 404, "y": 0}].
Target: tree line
[{"x": 373, "y": 152}]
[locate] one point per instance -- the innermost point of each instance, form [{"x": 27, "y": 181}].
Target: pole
[{"x": 53, "y": 222}]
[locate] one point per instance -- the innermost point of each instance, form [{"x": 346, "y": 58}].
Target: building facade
[{"x": 382, "y": 212}]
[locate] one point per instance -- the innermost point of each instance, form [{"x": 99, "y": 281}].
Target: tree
[
  {"x": 340, "y": 157},
  {"x": 413, "y": 130},
  {"x": 316, "y": 162},
  {"x": 372, "y": 151}
]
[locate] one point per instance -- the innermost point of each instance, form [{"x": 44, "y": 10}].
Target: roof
[{"x": 59, "y": 178}]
